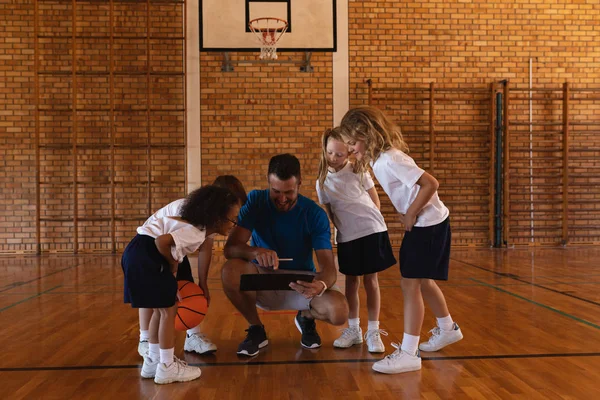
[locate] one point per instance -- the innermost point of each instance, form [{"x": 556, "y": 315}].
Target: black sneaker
[
  {"x": 308, "y": 328},
  {"x": 255, "y": 340}
]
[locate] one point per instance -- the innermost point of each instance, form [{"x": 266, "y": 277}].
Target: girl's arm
[
  {"x": 204, "y": 258},
  {"x": 375, "y": 197},
  {"x": 163, "y": 244},
  {"x": 429, "y": 185},
  {"x": 329, "y": 212}
]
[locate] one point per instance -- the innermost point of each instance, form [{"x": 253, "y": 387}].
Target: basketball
[{"x": 192, "y": 306}]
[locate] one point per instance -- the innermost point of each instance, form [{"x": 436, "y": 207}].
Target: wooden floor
[{"x": 531, "y": 321}]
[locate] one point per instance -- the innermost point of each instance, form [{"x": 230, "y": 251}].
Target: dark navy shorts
[
  {"x": 184, "y": 270},
  {"x": 366, "y": 255},
  {"x": 425, "y": 252},
  {"x": 149, "y": 282}
]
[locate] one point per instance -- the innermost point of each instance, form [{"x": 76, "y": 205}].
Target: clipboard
[{"x": 252, "y": 282}]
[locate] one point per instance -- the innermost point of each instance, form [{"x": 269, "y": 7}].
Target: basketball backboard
[{"x": 311, "y": 24}]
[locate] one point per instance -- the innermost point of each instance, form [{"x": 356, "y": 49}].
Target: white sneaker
[
  {"x": 149, "y": 367},
  {"x": 199, "y": 343},
  {"x": 441, "y": 338},
  {"x": 373, "y": 338},
  {"x": 350, "y": 336},
  {"x": 178, "y": 371},
  {"x": 143, "y": 347},
  {"x": 399, "y": 361}
]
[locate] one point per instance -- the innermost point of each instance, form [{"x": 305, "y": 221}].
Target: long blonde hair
[
  {"x": 372, "y": 126},
  {"x": 336, "y": 134}
]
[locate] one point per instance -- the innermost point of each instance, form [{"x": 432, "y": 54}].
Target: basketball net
[{"x": 268, "y": 30}]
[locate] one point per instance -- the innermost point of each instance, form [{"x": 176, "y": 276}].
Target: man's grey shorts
[{"x": 270, "y": 300}]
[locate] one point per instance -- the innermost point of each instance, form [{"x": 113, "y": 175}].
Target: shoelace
[
  {"x": 346, "y": 332},
  {"x": 375, "y": 332},
  {"x": 199, "y": 336},
  {"x": 396, "y": 353},
  {"x": 180, "y": 363},
  {"x": 435, "y": 333},
  {"x": 252, "y": 331}
]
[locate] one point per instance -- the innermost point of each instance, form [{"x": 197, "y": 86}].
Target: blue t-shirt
[{"x": 292, "y": 234}]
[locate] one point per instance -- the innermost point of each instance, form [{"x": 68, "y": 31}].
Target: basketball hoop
[{"x": 268, "y": 30}]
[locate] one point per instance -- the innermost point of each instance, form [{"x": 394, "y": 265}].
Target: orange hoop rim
[{"x": 279, "y": 20}]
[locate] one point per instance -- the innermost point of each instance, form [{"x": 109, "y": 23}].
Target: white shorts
[{"x": 270, "y": 300}]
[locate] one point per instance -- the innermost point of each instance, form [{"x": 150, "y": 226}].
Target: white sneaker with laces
[
  {"x": 149, "y": 367},
  {"x": 199, "y": 343},
  {"x": 178, "y": 371},
  {"x": 373, "y": 338},
  {"x": 397, "y": 362},
  {"x": 441, "y": 338},
  {"x": 350, "y": 336},
  {"x": 143, "y": 347}
]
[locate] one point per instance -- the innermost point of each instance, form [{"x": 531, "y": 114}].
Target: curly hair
[
  {"x": 232, "y": 183},
  {"x": 208, "y": 206},
  {"x": 284, "y": 166}
]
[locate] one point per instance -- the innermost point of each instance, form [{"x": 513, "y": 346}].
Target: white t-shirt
[
  {"x": 166, "y": 220},
  {"x": 173, "y": 209},
  {"x": 354, "y": 213},
  {"x": 398, "y": 174}
]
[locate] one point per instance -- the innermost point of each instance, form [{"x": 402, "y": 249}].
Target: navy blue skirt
[
  {"x": 366, "y": 255},
  {"x": 148, "y": 282},
  {"x": 425, "y": 252}
]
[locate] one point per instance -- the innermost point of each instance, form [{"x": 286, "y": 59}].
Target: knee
[
  {"x": 427, "y": 284},
  {"x": 166, "y": 313},
  {"x": 338, "y": 314},
  {"x": 410, "y": 285},
  {"x": 371, "y": 282},
  {"x": 352, "y": 282},
  {"x": 231, "y": 272}
]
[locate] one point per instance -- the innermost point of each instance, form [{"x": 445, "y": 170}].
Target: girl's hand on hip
[{"x": 408, "y": 220}]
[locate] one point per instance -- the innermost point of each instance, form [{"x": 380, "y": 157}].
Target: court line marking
[
  {"x": 519, "y": 279},
  {"x": 17, "y": 284},
  {"x": 342, "y": 285},
  {"x": 29, "y": 298},
  {"x": 564, "y": 314},
  {"x": 300, "y": 362}
]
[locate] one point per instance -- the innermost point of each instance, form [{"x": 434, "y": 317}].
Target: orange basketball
[{"x": 192, "y": 307}]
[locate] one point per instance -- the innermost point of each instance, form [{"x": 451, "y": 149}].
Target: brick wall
[
  {"x": 108, "y": 81},
  {"x": 468, "y": 44},
  {"x": 110, "y": 73},
  {"x": 17, "y": 157},
  {"x": 260, "y": 110}
]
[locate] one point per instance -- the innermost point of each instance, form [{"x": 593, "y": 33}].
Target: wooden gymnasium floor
[{"x": 531, "y": 320}]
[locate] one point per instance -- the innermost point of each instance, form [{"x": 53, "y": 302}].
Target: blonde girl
[
  {"x": 363, "y": 244},
  {"x": 425, "y": 252}
]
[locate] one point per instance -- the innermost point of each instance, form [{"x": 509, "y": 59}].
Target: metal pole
[
  {"x": 431, "y": 127},
  {"x": 499, "y": 193},
  {"x": 565, "y": 177}
]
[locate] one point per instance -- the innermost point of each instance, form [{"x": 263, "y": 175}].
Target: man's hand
[
  {"x": 308, "y": 289},
  {"x": 267, "y": 258}
]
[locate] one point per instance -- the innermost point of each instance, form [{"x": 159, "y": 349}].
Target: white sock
[
  {"x": 195, "y": 329},
  {"x": 446, "y": 323},
  {"x": 154, "y": 350},
  {"x": 353, "y": 322},
  {"x": 144, "y": 335},
  {"x": 167, "y": 356},
  {"x": 410, "y": 343},
  {"x": 373, "y": 325}
]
